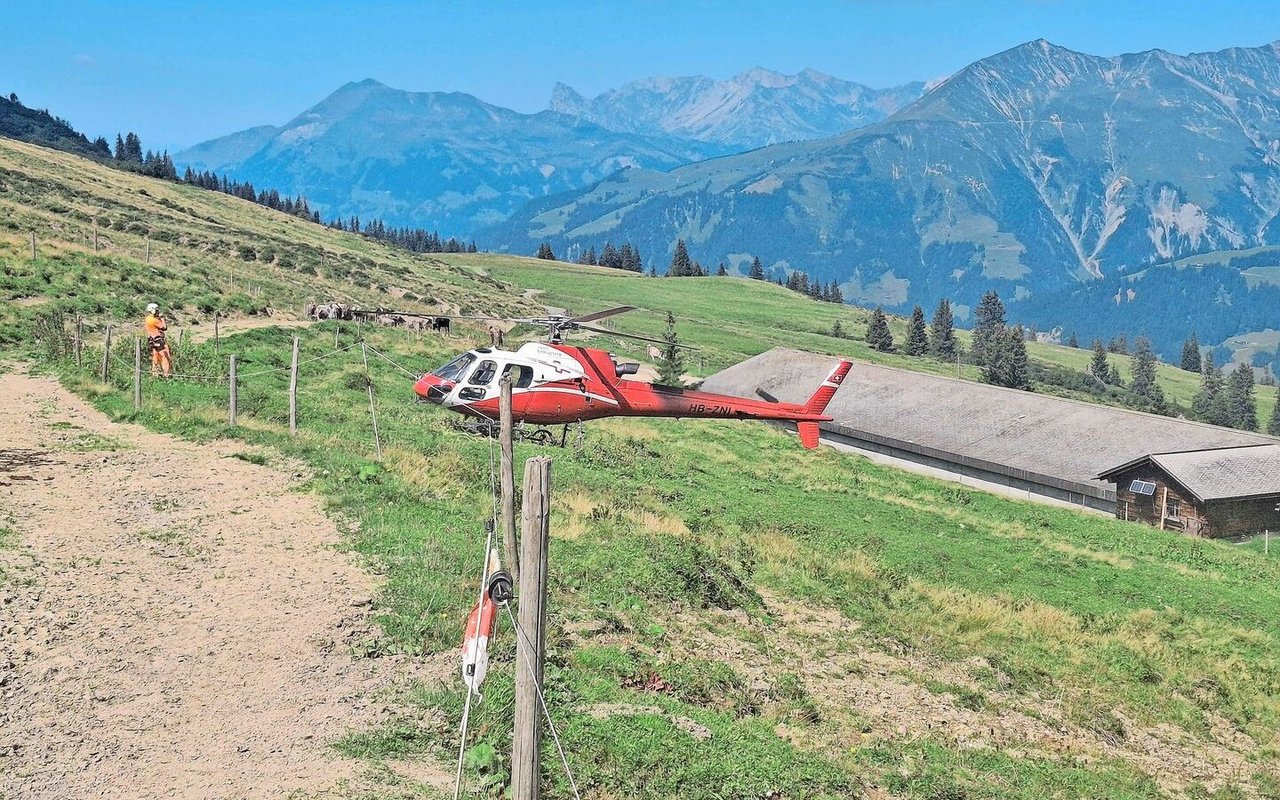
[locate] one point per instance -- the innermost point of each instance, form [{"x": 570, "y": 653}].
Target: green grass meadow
[
  {"x": 665, "y": 531},
  {"x": 731, "y": 616}
]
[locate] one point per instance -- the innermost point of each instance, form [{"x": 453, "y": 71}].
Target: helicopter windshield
[{"x": 456, "y": 368}]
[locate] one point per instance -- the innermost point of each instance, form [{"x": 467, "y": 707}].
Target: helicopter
[{"x": 555, "y": 383}]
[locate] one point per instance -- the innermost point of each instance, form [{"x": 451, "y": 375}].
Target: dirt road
[{"x": 174, "y": 621}]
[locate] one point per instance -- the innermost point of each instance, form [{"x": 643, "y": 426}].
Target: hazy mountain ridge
[
  {"x": 756, "y": 108},
  {"x": 446, "y": 160},
  {"x": 1032, "y": 171}
]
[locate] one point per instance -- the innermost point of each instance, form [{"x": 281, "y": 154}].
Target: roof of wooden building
[
  {"x": 1218, "y": 474},
  {"x": 1025, "y": 431}
]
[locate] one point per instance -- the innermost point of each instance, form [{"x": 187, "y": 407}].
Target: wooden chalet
[{"x": 1220, "y": 492}]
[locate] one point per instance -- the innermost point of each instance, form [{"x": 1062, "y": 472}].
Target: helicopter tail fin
[
  {"x": 808, "y": 434},
  {"x": 818, "y": 401}
]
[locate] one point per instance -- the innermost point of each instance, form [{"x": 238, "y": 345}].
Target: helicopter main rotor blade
[
  {"x": 602, "y": 314},
  {"x": 632, "y": 336}
]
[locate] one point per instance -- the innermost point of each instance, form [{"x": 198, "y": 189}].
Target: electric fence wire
[
  {"x": 392, "y": 362},
  {"x": 484, "y": 588},
  {"x": 542, "y": 700}
]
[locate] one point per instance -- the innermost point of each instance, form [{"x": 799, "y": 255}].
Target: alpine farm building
[
  {"x": 996, "y": 438},
  {"x": 1227, "y": 491}
]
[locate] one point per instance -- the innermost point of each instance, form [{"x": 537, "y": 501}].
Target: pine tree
[
  {"x": 681, "y": 265},
  {"x": 878, "y": 335},
  {"x": 1119, "y": 345},
  {"x": 1006, "y": 363},
  {"x": 1098, "y": 364},
  {"x": 1073, "y": 341},
  {"x": 132, "y": 148},
  {"x": 917, "y": 343},
  {"x": 837, "y": 296},
  {"x": 988, "y": 327},
  {"x": 942, "y": 334},
  {"x": 837, "y": 330},
  {"x": 1191, "y": 354},
  {"x": 1242, "y": 405},
  {"x": 1144, "y": 376},
  {"x": 1273, "y": 427},
  {"x": 671, "y": 362},
  {"x": 757, "y": 269},
  {"x": 628, "y": 257},
  {"x": 120, "y": 151},
  {"x": 545, "y": 253},
  {"x": 1019, "y": 370},
  {"x": 609, "y": 256},
  {"x": 1210, "y": 403},
  {"x": 588, "y": 256},
  {"x": 721, "y": 271}
]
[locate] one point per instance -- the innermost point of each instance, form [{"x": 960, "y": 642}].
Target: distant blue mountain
[
  {"x": 446, "y": 161},
  {"x": 757, "y": 108}
]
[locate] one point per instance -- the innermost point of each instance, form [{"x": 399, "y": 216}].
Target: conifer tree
[
  {"x": 120, "y": 151},
  {"x": 1242, "y": 405},
  {"x": 878, "y": 335},
  {"x": 681, "y": 265},
  {"x": 942, "y": 334},
  {"x": 671, "y": 362},
  {"x": 1019, "y": 369},
  {"x": 1144, "y": 383},
  {"x": 1113, "y": 377},
  {"x": 1273, "y": 427},
  {"x": 988, "y": 327},
  {"x": 917, "y": 343},
  {"x": 837, "y": 296},
  {"x": 1191, "y": 354},
  {"x": 545, "y": 253},
  {"x": 1119, "y": 345},
  {"x": 1073, "y": 341},
  {"x": 721, "y": 271},
  {"x": 588, "y": 256},
  {"x": 1209, "y": 404},
  {"x": 757, "y": 269},
  {"x": 609, "y": 256},
  {"x": 1098, "y": 364}
]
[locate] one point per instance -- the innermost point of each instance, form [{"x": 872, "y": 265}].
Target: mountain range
[
  {"x": 452, "y": 162},
  {"x": 757, "y": 108},
  {"x": 1041, "y": 172}
]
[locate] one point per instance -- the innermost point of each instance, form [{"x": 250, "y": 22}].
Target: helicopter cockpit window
[
  {"x": 455, "y": 369},
  {"x": 523, "y": 376},
  {"x": 484, "y": 373}
]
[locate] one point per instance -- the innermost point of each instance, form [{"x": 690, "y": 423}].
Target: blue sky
[{"x": 178, "y": 73}]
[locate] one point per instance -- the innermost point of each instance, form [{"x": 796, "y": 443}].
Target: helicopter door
[
  {"x": 521, "y": 378},
  {"x": 478, "y": 386}
]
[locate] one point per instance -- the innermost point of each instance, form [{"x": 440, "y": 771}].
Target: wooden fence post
[
  {"x": 530, "y": 647},
  {"x": 373, "y": 411},
  {"x": 231, "y": 379},
  {"x": 33, "y": 245},
  {"x": 293, "y": 390},
  {"x": 137, "y": 374},
  {"x": 95, "y": 234},
  {"x": 507, "y": 479},
  {"x": 217, "y": 342},
  {"x": 79, "y": 341},
  {"x": 106, "y": 354},
  {"x": 148, "y": 251}
]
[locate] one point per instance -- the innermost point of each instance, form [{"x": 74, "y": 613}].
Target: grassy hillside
[
  {"x": 731, "y": 615},
  {"x": 735, "y": 318},
  {"x": 208, "y": 251}
]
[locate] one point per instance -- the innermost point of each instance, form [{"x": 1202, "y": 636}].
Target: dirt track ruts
[{"x": 174, "y": 622}]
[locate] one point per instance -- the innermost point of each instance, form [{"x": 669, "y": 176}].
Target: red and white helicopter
[{"x": 556, "y": 383}]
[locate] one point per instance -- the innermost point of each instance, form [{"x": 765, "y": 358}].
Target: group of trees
[
  {"x": 1229, "y": 400},
  {"x": 415, "y": 240},
  {"x": 625, "y": 257},
  {"x": 937, "y": 340},
  {"x": 999, "y": 349}
]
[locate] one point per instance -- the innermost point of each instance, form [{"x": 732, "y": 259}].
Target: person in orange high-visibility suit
[{"x": 156, "y": 327}]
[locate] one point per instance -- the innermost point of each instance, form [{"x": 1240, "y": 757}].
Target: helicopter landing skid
[{"x": 489, "y": 429}]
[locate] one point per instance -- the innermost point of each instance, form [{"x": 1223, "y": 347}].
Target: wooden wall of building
[{"x": 1171, "y": 506}]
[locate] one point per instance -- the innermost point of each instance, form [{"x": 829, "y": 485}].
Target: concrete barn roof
[
  {"x": 1063, "y": 439},
  {"x": 1219, "y": 474}
]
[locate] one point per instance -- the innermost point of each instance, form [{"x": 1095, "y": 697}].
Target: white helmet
[{"x": 152, "y": 308}]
